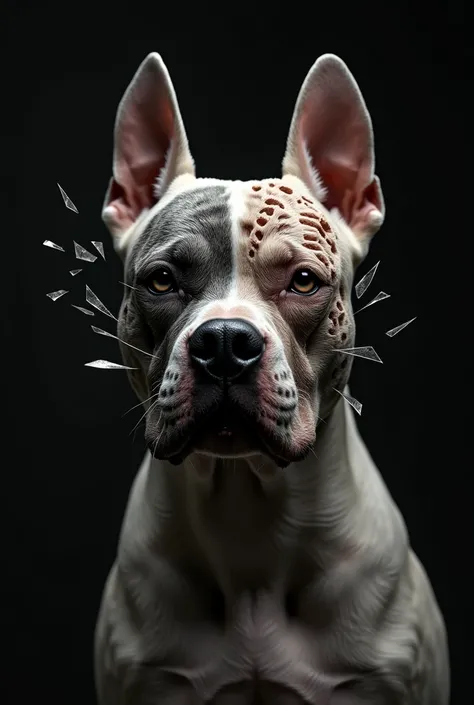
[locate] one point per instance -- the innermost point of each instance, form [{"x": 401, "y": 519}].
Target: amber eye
[
  {"x": 305, "y": 282},
  {"x": 161, "y": 282}
]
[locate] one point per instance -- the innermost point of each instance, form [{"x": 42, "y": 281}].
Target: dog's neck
[{"x": 247, "y": 522}]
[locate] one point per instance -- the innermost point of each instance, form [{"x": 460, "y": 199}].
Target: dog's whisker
[
  {"x": 147, "y": 411},
  {"x": 140, "y": 404},
  {"x": 158, "y": 439},
  {"x": 99, "y": 331}
]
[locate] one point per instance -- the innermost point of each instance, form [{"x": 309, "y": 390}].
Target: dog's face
[{"x": 240, "y": 291}]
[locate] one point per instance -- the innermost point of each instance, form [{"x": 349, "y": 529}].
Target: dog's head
[{"x": 240, "y": 291}]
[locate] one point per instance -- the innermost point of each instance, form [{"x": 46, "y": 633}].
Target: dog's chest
[{"x": 261, "y": 657}]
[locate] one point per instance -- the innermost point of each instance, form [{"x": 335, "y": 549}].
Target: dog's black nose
[{"x": 226, "y": 347}]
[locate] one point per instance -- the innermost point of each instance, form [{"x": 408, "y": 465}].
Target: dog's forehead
[
  {"x": 198, "y": 217},
  {"x": 281, "y": 224},
  {"x": 242, "y": 228}
]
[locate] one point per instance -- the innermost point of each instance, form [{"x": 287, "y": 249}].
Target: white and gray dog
[{"x": 262, "y": 558}]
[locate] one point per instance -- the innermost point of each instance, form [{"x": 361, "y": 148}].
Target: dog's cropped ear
[
  {"x": 150, "y": 147},
  {"x": 330, "y": 147}
]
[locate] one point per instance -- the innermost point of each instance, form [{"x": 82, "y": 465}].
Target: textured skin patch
[
  {"x": 276, "y": 209},
  {"x": 339, "y": 329}
]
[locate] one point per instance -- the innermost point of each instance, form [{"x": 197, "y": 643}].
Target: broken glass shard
[
  {"x": 84, "y": 310},
  {"x": 73, "y": 272},
  {"x": 99, "y": 247},
  {"x": 83, "y": 254},
  {"x": 397, "y": 329},
  {"x": 366, "y": 281},
  {"x": 67, "y": 201},
  {"x": 367, "y": 352},
  {"x": 55, "y": 295},
  {"x": 94, "y": 301},
  {"x": 110, "y": 335},
  {"x": 129, "y": 286},
  {"x": 356, "y": 405},
  {"x": 106, "y": 365},
  {"x": 379, "y": 297},
  {"x": 53, "y": 246}
]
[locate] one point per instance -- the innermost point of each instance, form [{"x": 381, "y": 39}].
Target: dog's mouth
[{"x": 226, "y": 431}]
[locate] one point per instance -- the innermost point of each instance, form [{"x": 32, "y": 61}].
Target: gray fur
[{"x": 240, "y": 579}]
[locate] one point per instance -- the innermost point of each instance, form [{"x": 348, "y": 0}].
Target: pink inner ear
[
  {"x": 334, "y": 145},
  {"x": 125, "y": 206},
  {"x": 144, "y": 135}
]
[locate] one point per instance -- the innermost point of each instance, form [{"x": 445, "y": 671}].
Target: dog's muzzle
[
  {"x": 222, "y": 395},
  {"x": 225, "y": 350}
]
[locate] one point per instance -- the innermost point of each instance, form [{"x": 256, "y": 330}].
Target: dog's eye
[
  {"x": 304, "y": 282},
  {"x": 161, "y": 282}
]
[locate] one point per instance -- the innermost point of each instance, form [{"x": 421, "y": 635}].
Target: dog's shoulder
[{"x": 410, "y": 649}]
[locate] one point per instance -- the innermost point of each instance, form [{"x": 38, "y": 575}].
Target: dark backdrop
[{"x": 68, "y": 456}]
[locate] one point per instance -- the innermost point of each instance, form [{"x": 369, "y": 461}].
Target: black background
[{"x": 68, "y": 453}]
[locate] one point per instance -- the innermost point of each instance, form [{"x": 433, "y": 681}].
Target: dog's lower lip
[{"x": 225, "y": 432}]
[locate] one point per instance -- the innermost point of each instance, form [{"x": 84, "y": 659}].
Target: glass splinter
[
  {"x": 106, "y": 365},
  {"x": 99, "y": 247},
  {"x": 53, "y": 246},
  {"x": 73, "y": 272},
  {"x": 110, "y": 335},
  {"x": 367, "y": 352},
  {"x": 397, "y": 329},
  {"x": 67, "y": 201},
  {"x": 84, "y": 310},
  {"x": 366, "y": 281},
  {"x": 55, "y": 295},
  {"x": 129, "y": 286},
  {"x": 94, "y": 301},
  {"x": 356, "y": 405},
  {"x": 83, "y": 254},
  {"x": 379, "y": 297}
]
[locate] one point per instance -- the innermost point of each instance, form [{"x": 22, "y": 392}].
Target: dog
[{"x": 261, "y": 558}]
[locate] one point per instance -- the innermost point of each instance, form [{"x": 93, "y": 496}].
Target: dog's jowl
[{"x": 261, "y": 559}]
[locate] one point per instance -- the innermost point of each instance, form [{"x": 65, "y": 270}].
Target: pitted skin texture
[{"x": 280, "y": 223}]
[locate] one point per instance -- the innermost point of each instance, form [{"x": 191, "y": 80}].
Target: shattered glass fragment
[
  {"x": 99, "y": 247},
  {"x": 94, "y": 301},
  {"x": 106, "y": 365},
  {"x": 397, "y": 329},
  {"x": 83, "y": 254},
  {"x": 129, "y": 286},
  {"x": 67, "y": 201},
  {"x": 356, "y": 405},
  {"x": 110, "y": 335},
  {"x": 73, "y": 272},
  {"x": 53, "y": 246},
  {"x": 55, "y": 295},
  {"x": 84, "y": 310},
  {"x": 366, "y": 281},
  {"x": 379, "y": 297},
  {"x": 367, "y": 352}
]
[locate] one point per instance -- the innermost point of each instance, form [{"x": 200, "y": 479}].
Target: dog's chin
[{"x": 225, "y": 436}]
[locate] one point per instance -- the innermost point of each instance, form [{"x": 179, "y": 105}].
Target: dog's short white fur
[{"x": 196, "y": 607}]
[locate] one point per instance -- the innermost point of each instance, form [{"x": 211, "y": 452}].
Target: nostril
[
  {"x": 244, "y": 347},
  {"x": 209, "y": 347}
]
